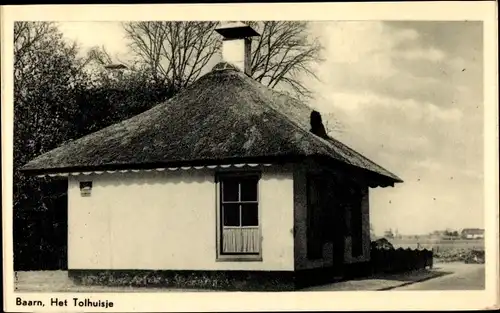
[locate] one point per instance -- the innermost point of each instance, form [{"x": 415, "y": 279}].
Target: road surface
[{"x": 462, "y": 277}]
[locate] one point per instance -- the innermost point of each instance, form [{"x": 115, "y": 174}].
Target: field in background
[
  {"x": 439, "y": 245},
  {"x": 446, "y": 250}
]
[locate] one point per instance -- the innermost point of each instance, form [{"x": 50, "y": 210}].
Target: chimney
[
  {"x": 317, "y": 126},
  {"x": 237, "y": 45}
]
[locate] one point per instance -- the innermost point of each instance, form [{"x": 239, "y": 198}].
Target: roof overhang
[
  {"x": 161, "y": 166},
  {"x": 155, "y": 170},
  {"x": 372, "y": 179}
]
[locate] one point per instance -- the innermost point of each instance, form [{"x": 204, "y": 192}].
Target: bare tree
[
  {"x": 179, "y": 51},
  {"x": 96, "y": 64},
  {"x": 283, "y": 53},
  {"x": 176, "y": 52},
  {"x": 100, "y": 55},
  {"x": 28, "y": 38}
]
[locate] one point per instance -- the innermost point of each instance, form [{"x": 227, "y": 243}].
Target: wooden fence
[{"x": 399, "y": 260}]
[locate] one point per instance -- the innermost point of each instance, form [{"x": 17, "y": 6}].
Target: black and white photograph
[{"x": 286, "y": 156}]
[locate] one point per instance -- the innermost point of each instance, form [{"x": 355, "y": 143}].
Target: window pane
[
  {"x": 249, "y": 214},
  {"x": 231, "y": 213},
  {"x": 230, "y": 189},
  {"x": 249, "y": 189}
]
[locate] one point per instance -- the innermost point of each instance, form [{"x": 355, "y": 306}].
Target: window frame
[{"x": 220, "y": 256}]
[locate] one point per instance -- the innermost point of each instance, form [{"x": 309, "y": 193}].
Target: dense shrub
[{"x": 382, "y": 243}]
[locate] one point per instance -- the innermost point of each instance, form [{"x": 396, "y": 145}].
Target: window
[{"x": 239, "y": 227}]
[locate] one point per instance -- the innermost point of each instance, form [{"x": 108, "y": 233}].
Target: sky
[{"x": 409, "y": 96}]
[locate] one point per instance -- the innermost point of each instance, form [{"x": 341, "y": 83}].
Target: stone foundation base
[{"x": 215, "y": 280}]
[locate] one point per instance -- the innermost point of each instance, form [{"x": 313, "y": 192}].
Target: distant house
[
  {"x": 228, "y": 183},
  {"x": 472, "y": 233}
]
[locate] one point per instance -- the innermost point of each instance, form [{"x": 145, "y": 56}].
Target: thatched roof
[{"x": 224, "y": 116}]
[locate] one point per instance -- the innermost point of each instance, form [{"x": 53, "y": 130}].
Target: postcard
[{"x": 248, "y": 157}]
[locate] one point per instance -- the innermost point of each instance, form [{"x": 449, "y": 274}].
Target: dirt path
[{"x": 463, "y": 277}]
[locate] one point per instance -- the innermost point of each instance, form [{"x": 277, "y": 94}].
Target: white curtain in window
[{"x": 240, "y": 240}]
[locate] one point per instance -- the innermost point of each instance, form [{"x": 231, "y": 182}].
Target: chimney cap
[{"x": 236, "y": 30}]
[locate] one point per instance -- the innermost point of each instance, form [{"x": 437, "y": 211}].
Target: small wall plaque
[{"x": 85, "y": 188}]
